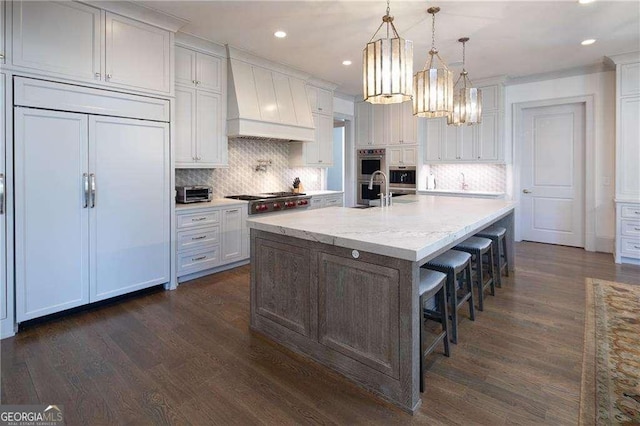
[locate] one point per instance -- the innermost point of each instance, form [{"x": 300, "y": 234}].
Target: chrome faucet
[
  {"x": 465, "y": 186},
  {"x": 385, "y": 199}
]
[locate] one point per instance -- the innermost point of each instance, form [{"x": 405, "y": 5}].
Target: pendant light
[
  {"x": 467, "y": 100},
  {"x": 387, "y": 66},
  {"x": 433, "y": 87}
]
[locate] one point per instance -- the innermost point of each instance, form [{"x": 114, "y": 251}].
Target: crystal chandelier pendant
[
  {"x": 433, "y": 86},
  {"x": 387, "y": 65},
  {"x": 467, "y": 100}
]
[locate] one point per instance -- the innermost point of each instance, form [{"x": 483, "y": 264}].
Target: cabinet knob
[
  {"x": 109, "y": 76},
  {"x": 98, "y": 75},
  {"x": 193, "y": 81},
  {"x": 1, "y": 55},
  {"x": 319, "y": 109},
  {"x": 197, "y": 83},
  {"x": 319, "y": 161}
]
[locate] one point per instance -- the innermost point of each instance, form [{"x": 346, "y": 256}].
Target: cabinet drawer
[
  {"x": 333, "y": 202},
  {"x": 630, "y": 227},
  {"x": 198, "y": 238},
  {"x": 186, "y": 221},
  {"x": 198, "y": 260},
  {"x": 631, "y": 211},
  {"x": 630, "y": 247}
]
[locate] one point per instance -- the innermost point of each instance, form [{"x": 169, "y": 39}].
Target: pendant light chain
[{"x": 433, "y": 32}]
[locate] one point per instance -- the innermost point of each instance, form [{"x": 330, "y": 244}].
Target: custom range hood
[{"x": 266, "y": 101}]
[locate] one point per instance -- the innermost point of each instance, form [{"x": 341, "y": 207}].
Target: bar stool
[
  {"x": 432, "y": 284},
  {"x": 497, "y": 235},
  {"x": 455, "y": 263},
  {"x": 477, "y": 247}
]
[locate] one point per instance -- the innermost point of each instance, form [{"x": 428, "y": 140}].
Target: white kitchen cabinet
[
  {"x": 137, "y": 55},
  {"x": 4, "y": 289},
  {"x": 480, "y": 143},
  {"x": 403, "y": 125},
  {"x": 61, "y": 38},
  {"x": 82, "y": 43},
  {"x": 89, "y": 247},
  {"x": 198, "y": 69},
  {"x": 199, "y": 128},
  {"x": 326, "y": 200},
  {"x": 627, "y": 247},
  {"x": 363, "y": 118},
  {"x": 320, "y": 100},
  {"x": 233, "y": 220},
  {"x": 380, "y": 131},
  {"x": 3, "y": 47},
  {"x": 402, "y": 155},
  {"x": 210, "y": 238},
  {"x": 318, "y": 153}
]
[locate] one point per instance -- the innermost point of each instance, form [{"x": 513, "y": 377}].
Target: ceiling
[{"x": 510, "y": 38}]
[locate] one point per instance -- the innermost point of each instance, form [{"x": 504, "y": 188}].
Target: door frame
[{"x": 589, "y": 162}]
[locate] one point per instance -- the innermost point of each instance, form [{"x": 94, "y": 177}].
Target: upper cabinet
[
  {"x": 480, "y": 143},
  {"x": 74, "y": 41},
  {"x": 381, "y": 125},
  {"x": 198, "y": 69},
  {"x": 3, "y": 48},
  {"x": 200, "y": 109},
  {"x": 319, "y": 152},
  {"x": 137, "y": 55}
]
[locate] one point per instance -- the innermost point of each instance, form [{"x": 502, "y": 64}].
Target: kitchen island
[{"x": 340, "y": 285}]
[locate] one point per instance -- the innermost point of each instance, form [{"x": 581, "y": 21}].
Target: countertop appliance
[
  {"x": 193, "y": 194},
  {"x": 270, "y": 202}
]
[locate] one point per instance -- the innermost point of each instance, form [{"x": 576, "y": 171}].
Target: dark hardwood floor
[{"x": 187, "y": 357}]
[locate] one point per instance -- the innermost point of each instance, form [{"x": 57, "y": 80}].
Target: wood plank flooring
[{"x": 187, "y": 357}]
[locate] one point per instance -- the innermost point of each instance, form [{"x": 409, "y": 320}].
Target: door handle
[
  {"x": 526, "y": 191},
  {"x": 85, "y": 185},
  {"x": 92, "y": 178},
  {"x": 1, "y": 193}
]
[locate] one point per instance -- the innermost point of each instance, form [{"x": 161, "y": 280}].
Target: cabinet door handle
[
  {"x": 109, "y": 76},
  {"x": 85, "y": 185},
  {"x": 92, "y": 179},
  {"x": 202, "y": 237},
  {"x": 637, "y": 212},
  {"x": 195, "y": 259},
  {"x": 319, "y": 161},
  {"x": 198, "y": 219},
  {"x": 637, "y": 229},
  {"x": 1, "y": 193},
  {"x": 526, "y": 191},
  {"x": 638, "y": 247}
]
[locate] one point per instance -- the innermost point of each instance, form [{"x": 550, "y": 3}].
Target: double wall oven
[{"x": 370, "y": 160}]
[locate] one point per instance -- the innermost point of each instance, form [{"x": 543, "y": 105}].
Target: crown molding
[
  {"x": 623, "y": 58},
  {"x": 140, "y": 13},
  {"x": 200, "y": 44},
  {"x": 569, "y": 72}
]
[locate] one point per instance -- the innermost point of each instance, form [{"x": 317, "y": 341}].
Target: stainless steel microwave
[{"x": 193, "y": 194}]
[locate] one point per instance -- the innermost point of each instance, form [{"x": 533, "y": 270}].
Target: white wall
[{"x": 602, "y": 87}]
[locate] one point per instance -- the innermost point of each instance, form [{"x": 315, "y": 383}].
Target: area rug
[{"x": 611, "y": 365}]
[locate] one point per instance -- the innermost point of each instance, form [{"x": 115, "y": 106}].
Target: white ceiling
[{"x": 511, "y": 38}]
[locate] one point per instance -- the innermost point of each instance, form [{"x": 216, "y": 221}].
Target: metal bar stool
[
  {"x": 477, "y": 247},
  {"x": 455, "y": 263},
  {"x": 432, "y": 284},
  {"x": 497, "y": 235}
]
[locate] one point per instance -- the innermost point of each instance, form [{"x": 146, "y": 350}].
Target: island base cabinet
[
  {"x": 355, "y": 313},
  {"x": 92, "y": 208}
]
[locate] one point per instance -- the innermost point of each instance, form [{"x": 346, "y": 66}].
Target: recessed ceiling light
[
  {"x": 585, "y": 1},
  {"x": 280, "y": 34},
  {"x": 346, "y": 62},
  {"x": 588, "y": 41}
]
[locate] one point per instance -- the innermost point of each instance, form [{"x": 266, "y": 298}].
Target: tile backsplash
[
  {"x": 242, "y": 178},
  {"x": 479, "y": 177}
]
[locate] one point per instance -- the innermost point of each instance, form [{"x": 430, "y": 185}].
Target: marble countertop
[
  {"x": 413, "y": 228},
  {"x": 216, "y": 202},
  {"x": 324, "y": 192},
  {"x": 461, "y": 192}
]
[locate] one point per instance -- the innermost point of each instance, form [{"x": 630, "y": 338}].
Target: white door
[
  {"x": 434, "y": 143},
  {"x": 129, "y": 224},
  {"x": 232, "y": 234},
  {"x": 209, "y": 72},
  {"x": 324, "y": 138},
  {"x": 552, "y": 175},
  {"x": 51, "y": 214},
  {"x": 185, "y": 67}
]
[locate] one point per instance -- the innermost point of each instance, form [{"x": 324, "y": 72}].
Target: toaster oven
[{"x": 193, "y": 194}]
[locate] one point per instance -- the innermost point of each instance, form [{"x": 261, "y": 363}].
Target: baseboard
[
  {"x": 605, "y": 244},
  {"x": 204, "y": 273}
]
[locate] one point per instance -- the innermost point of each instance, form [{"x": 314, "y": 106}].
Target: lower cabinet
[
  {"x": 92, "y": 208},
  {"x": 210, "y": 237},
  {"x": 627, "y": 233},
  {"x": 326, "y": 200}
]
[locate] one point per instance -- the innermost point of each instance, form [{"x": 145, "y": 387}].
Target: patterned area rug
[{"x": 611, "y": 366}]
